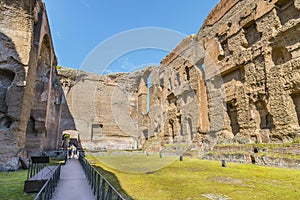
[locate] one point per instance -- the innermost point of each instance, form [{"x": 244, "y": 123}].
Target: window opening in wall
[
  {"x": 149, "y": 84},
  {"x": 266, "y": 120},
  {"x": 161, "y": 83},
  {"x": 296, "y": 100},
  {"x": 187, "y": 72},
  {"x": 172, "y": 99},
  {"x": 225, "y": 47},
  {"x": 232, "y": 113},
  {"x": 97, "y": 131},
  {"x": 286, "y": 10},
  {"x": 251, "y": 33},
  {"x": 280, "y": 55}
]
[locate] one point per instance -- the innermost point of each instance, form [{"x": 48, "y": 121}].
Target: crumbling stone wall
[
  {"x": 29, "y": 86},
  {"x": 237, "y": 80},
  {"x": 129, "y": 110},
  {"x": 252, "y": 61},
  {"x": 103, "y": 107}
]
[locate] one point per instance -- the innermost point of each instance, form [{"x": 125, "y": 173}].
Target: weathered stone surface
[
  {"x": 256, "y": 63},
  {"x": 30, "y": 93},
  {"x": 237, "y": 80}
]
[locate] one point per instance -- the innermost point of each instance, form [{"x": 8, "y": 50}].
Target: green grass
[
  {"x": 192, "y": 178},
  {"x": 12, "y": 185}
]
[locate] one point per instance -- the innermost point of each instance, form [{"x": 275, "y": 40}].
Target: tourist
[
  {"x": 74, "y": 150},
  {"x": 69, "y": 151}
]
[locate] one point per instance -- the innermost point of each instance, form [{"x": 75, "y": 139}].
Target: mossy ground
[
  {"x": 12, "y": 185},
  {"x": 192, "y": 178}
]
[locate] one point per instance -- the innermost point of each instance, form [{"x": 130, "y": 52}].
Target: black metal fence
[
  {"x": 47, "y": 190},
  {"x": 102, "y": 189}
]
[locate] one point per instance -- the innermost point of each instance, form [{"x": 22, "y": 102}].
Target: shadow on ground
[{"x": 113, "y": 180}]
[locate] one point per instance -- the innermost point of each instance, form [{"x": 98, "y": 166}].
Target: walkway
[{"x": 73, "y": 184}]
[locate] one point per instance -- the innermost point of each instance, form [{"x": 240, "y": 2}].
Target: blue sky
[{"x": 79, "y": 26}]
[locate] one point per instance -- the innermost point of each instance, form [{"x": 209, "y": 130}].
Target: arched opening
[
  {"x": 149, "y": 84},
  {"x": 70, "y": 137}
]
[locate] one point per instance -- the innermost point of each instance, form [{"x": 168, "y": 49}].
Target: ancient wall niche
[
  {"x": 161, "y": 83},
  {"x": 187, "y": 73},
  {"x": 97, "y": 131},
  {"x": 251, "y": 33},
  {"x": 286, "y": 10},
  {"x": 280, "y": 55},
  {"x": 233, "y": 117},
  {"x": 265, "y": 119},
  {"x": 237, "y": 74},
  {"x": 146, "y": 134},
  {"x": 226, "y": 51},
  {"x": 296, "y": 100},
  {"x": 172, "y": 99}
]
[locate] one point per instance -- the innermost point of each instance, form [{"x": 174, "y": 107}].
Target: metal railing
[
  {"x": 35, "y": 168},
  {"x": 47, "y": 190},
  {"x": 102, "y": 189}
]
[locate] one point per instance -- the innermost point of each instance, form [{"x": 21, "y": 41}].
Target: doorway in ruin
[
  {"x": 70, "y": 137},
  {"x": 233, "y": 117},
  {"x": 189, "y": 129},
  {"x": 265, "y": 119},
  {"x": 296, "y": 100}
]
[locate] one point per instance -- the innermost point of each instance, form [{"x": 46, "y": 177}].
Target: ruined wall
[
  {"x": 237, "y": 80},
  {"x": 29, "y": 86},
  {"x": 177, "y": 111},
  {"x": 165, "y": 103},
  {"x": 103, "y": 107},
  {"x": 252, "y": 61}
]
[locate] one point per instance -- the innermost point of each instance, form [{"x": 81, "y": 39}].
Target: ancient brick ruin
[
  {"x": 31, "y": 95},
  {"x": 236, "y": 82}
]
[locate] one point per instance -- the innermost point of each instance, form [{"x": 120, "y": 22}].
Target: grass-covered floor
[
  {"x": 12, "y": 185},
  {"x": 194, "y": 178}
]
